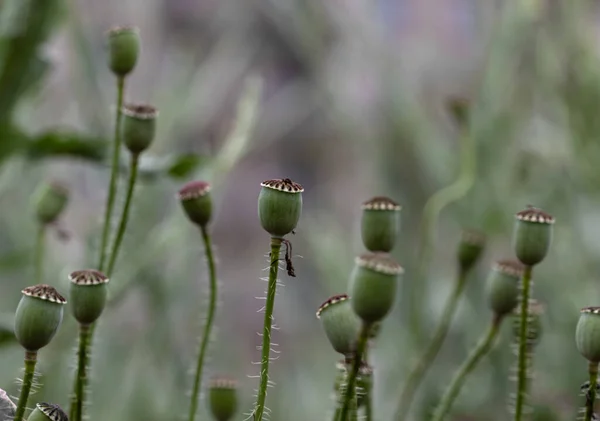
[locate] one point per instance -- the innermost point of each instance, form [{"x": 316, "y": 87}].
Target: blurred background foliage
[{"x": 347, "y": 97}]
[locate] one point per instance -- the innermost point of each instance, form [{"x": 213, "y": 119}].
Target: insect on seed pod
[
  {"x": 88, "y": 294},
  {"x": 47, "y": 412},
  {"x": 380, "y": 223},
  {"x": 533, "y": 235},
  {"x": 123, "y": 49},
  {"x": 279, "y": 206},
  {"x": 341, "y": 324},
  {"x": 587, "y": 334},
  {"x": 196, "y": 201},
  {"x": 223, "y": 400}
]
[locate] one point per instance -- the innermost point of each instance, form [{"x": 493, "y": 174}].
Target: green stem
[
  {"x": 39, "y": 253},
  {"x": 417, "y": 374},
  {"x": 431, "y": 212},
  {"x": 266, "y": 338},
  {"x": 133, "y": 170},
  {"x": 212, "y": 305},
  {"x": 591, "y": 398},
  {"x": 114, "y": 175},
  {"x": 30, "y": 361},
  {"x": 361, "y": 346},
  {"x": 522, "y": 359},
  {"x": 78, "y": 399},
  {"x": 483, "y": 347}
]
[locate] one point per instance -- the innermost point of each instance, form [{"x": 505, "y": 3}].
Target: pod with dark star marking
[
  {"x": 123, "y": 49},
  {"x": 38, "y": 316},
  {"x": 50, "y": 201},
  {"x": 380, "y": 224},
  {"x": 533, "y": 235},
  {"x": 279, "y": 206},
  {"x": 139, "y": 126},
  {"x": 503, "y": 286},
  {"x": 47, "y": 412},
  {"x": 587, "y": 334},
  {"x": 470, "y": 249},
  {"x": 87, "y": 294},
  {"x": 222, "y": 397},
  {"x": 373, "y": 285},
  {"x": 341, "y": 324},
  {"x": 196, "y": 201}
]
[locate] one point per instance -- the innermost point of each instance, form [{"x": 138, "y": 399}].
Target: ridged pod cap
[
  {"x": 458, "y": 107},
  {"x": 87, "y": 294},
  {"x": 47, "y": 411},
  {"x": 341, "y": 324},
  {"x": 223, "y": 400},
  {"x": 123, "y": 49},
  {"x": 196, "y": 202},
  {"x": 534, "y": 322},
  {"x": 587, "y": 334},
  {"x": 139, "y": 126},
  {"x": 51, "y": 200},
  {"x": 470, "y": 249},
  {"x": 533, "y": 235},
  {"x": 363, "y": 383},
  {"x": 373, "y": 285},
  {"x": 503, "y": 286},
  {"x": 279, "y": 206},
  {"x": 38, "y": 316},
  {"x": 380, "y": 223}
]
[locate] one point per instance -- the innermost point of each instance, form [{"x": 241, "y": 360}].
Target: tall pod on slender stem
[
  {"x": 196, "y": 201},
  {"x": 47, "y": 412},
  {"x": 503, "y": 295},
  {"x": 88, "y": 292},
  {"x": 587, "y": 339},
  {"x": 37, "y": 319},
  {"x": 532, "y": 238},
  {"x": 470, "y": 249},
  {"x": 279, "y": 210}
]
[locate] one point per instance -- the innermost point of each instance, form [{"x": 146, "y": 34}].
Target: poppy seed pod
[
  {"x": 470, "y": 249},
  {"x": 196, "y": 202},
  {"x": 533, "y": 235},
  {"x": 87, "y": 294},
  {"x": 380, "y": 224},
  {"x": 51, "y": 200},
  {"x": 47, "y": 412},
  {"x": 503, "y": 286},
  {"x": 38, "y": 316},
  {"x": 223, "y": 399},
  {"x": 587, "y": 334},
  {"x": 373, "y": 285},
  {"x": 341, "y": 324},
  {"x": 279, "y": 206},
  {"x": 139, "y": 126},
  {"x": 123, "y": 49}
]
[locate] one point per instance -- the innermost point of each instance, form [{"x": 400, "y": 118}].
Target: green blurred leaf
[
  {"x": 175, "y": 166},
  {"x": 184, "y": 165},
  {"x": 67, "y": 144}
]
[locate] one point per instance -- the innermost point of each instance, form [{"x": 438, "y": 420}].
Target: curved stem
[
  {"x": 431, "y": 212},
  {"x": 361, "y": 345},
  {"x": 112, "y": 189},
  {"x": 417, "y": 374},
  {"x": 212, "y": 305},
  {"x": 483, "y": 347},
  {"x": 76, "y": 410},
  {"x": 591, "y": 396},
  {"x": 266, "y": 336},
  {"x": 522, "y": 359},
  {"x": 133, "y": 170},
  {"x": 39, "y": 253},
  {"x": 30, "y": 361}
]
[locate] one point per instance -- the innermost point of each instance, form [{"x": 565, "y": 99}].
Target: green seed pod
[
  {"x": 196, "y": 201},
  {"x": 139, "y": 126},
  {"x": 123, "y": 50},
  {"x": 534, "y": 323},
  {"x": 363, "y": 383},
  {"x": 533, "y": 235},
  {"x": 373, "y": 285},
  {"x": 341, "y": 324},
  {"x": 47, "y": 411},
  {"x": 587, "y": 334},
  {"x": 51, "y": 200},
  {"x": 503, "y": 286},
  {"x": 279, "y": 206},
  {"x": 470, "y": 249},
  {"x": 38, "y": 316},
  {"x": 380, "y": 224},
  {"x": 458, "y": 108},
  {"x": 223, "y": 398},
  {"x": 87, "y": 295}
]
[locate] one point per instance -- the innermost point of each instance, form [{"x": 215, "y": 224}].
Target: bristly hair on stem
[
  {"x": 30, "y": 362},
  {"x": 347, "y": 407},
  {"x": 523, "y": 365}
]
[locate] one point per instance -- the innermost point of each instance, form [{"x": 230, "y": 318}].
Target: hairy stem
[
  {"x": 78, "y": 399},
  {"x": 212, "y": 305},
  {"x": 591, "y": 396},
  {"x": 114, "y": 175},
  {"x": 133, "y": 170},
  {"x": 483, "y": 347},
  {"x": 420, "y": 369},
  {"x": 30, "y": 361},
  {"x": 522, "y": 359},
  {"x": 350, "y": 395},
  {"x": 266, "y": 337},
  {"x": 39, "y": 253}
]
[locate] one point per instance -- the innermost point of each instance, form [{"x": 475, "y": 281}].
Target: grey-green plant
[{"x": 587, "y": 339}]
